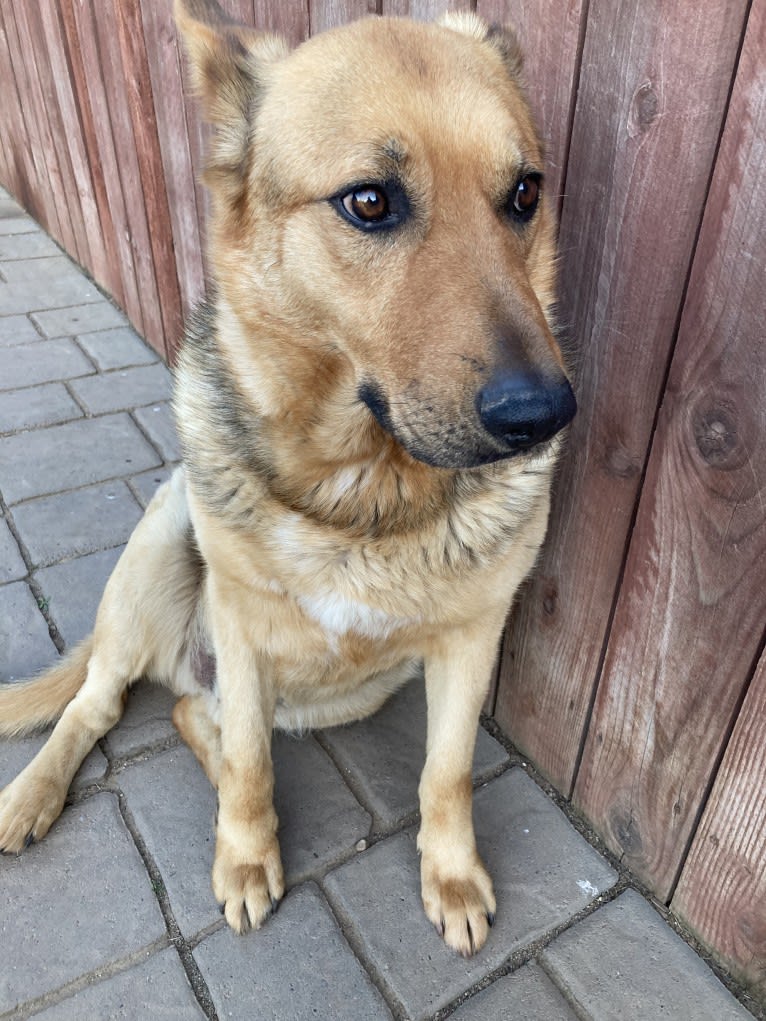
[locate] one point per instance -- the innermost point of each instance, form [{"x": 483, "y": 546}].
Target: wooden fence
[{"x": 632, "y": 671}]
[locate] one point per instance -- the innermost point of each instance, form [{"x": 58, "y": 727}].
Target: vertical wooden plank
[
  {"x": 550, "y": 33},
  {"x": 20, "y": 174},
  {"x": 146, "y": 312},
  {"x": 652, "y": 93},
  {"x": 82, "y": 84},
  {"x": 45, "y": 197},
  {"x": 423, "y": 10},
  {"x": 290, "y": 20},
  {"x": 141, "y": 105},
  {"x": 327, "y": 13},
  {"x": 721, "y": 896},
  {"x": 690, "y": 616}
]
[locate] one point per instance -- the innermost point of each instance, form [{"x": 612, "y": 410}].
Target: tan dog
[{"x": 368, "y": 406}]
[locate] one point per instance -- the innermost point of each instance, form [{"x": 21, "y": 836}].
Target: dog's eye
[
  {"x": 525, "y": 197},
  {"x": 372, "y": 207},
  {"x": 367, "y": 204}
]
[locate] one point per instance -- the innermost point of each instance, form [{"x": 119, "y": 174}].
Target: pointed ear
[
  {"x": 227, "y": 61},
  {"x": 501, "y": 37}
]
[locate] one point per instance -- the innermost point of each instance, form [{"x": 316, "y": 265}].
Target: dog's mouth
[{"x": 513, "y": 414}]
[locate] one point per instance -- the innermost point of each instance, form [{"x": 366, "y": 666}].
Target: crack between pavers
[
  {"x": 177, "y": 939},
  {"x": 29, "y": 1008}
]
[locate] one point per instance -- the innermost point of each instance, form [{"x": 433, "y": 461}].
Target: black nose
[{"x": 522, "y": 409}]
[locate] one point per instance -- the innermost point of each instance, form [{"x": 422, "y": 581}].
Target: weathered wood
[
  {"x": 422, "y": 10},
  {"x": 722, "y": 892},
  {"x": 18, "y": 169},
  {"x": 327, "y": 13},
  {"x": 692, "y": 606},
  {"x": 652, "y": 95},
  {"x": 551, "y": 63}
]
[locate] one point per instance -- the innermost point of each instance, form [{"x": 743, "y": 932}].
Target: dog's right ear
[{"x": 227, "y": 61}]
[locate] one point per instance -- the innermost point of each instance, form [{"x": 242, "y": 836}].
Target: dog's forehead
[{"x": 340, "y": 100}]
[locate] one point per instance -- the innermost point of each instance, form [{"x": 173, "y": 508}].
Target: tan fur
[{"x": 321, "y": 539}]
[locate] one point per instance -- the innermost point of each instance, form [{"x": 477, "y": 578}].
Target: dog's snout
[{"x": 522, "y": 409}]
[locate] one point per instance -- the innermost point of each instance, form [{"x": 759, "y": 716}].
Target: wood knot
[
  {"x": 618, "y": 462},
  {"x": 550, "y": 598},
  {"x": 625, "y": 829},
  {"x": 644, "y": 109},
  {"x": 715, "y": 434}
]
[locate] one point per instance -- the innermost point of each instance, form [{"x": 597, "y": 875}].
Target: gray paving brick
[
  {"x": 75, "y": 454},
  {"x": 157, "y": 988},
  {"x": 123, "y": 388},
  {"x": 18, "y": 224},
  {"x": 77, "y": 319},
  {"x": 117, "y": 348},
  {"x": 158, "y": 423},
  {"x": 385, "y": 754},
  {"x": 39, "y": 294},
  {"x": 174, "y": 804},
  {"x": 624, "y": 961},
  {"x": 146, "y": 484},
  {"x": 53, "y": 268},
  {"x": 297, "y": 968},
  {"x": 29, "y": 364},
  {"x": 12, "y": 566},
  {"x": 82, "y": 521},
  {"x": 527, "y": 994},
  {"x": 25, "y": 645},
  {"x": 74, "y": 589},
  {"x": 27, "y": 246},
  {"x": 19, "y": 753},
  {"x": 543, "y": 871},
  {"x": 146, "y": 721},
  {"x": 17, "y": 330},
  {"x": 43, "y": 405},
  {"x": 74, "y": 902}
]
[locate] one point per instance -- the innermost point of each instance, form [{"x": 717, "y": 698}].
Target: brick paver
[{"x": 113, "y": 916}]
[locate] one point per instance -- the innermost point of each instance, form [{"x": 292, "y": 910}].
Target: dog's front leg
[
  {"x": 456, "y": 888},
  {"x": 247, "y": 872}
]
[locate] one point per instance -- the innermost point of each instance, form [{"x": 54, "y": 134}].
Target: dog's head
[{"x": 378, "y": 209}]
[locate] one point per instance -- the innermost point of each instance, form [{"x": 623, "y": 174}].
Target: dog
[{"x": 370, "y": 405}]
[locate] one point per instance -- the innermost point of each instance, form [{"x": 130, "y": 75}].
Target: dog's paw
[
  {"x": 248, "y": 891},
  {"x": 29, "y": 806},
  {"x": 460, "y": 905}
]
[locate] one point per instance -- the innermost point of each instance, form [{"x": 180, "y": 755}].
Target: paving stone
[
  {"x": 17, "y": 330},
  {"x": 71, "y": 455},
  {"x": 36, "y": 406},
  {"x": 527, "y": 994},
  {"x": 386, "y": 752},
  {"x": 26, "y": 365},
  {"x": 117, "y": 348},
  {"x": 297, "y": 967},
  {"x": 39, "y": 293},
  {"x": 158, "y": 423},
  {"x": 54, "y": 268},
  {"x": 123, "y": 388},
  {"x": 74, "y": 589},
  {"x": 12, "y": 567},
  {"x": 19, "y": 224},
  {"x": 27, "y": 246},
  {"x": 174, "y": 805},
  {"x": 19, "y": 753},
  {"x": 157, "y": 988},
  {"x": 78, "y": 319},
  {"x": 81, "y": 521},
  {"x": 624, "y": 961},
  {"x": 25, "y": 644},
  {"x": 71, "y": 904},
  {"x": 146, "y": 721},
  {"x": 146, "y": 484},
  {"x": 543, "y": 871}
]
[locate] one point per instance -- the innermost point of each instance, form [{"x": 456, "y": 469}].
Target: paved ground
[{"x": 112, "y": 916}]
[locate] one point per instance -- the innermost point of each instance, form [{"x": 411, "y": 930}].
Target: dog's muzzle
[{"x": 522, "y": 409}]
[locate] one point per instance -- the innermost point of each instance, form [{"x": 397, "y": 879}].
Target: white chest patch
[{"x": 338, "y": 616}]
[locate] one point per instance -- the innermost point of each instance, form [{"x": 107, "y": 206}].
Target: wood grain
[
  {"x": 722, "y": 893},
  {"x": 652, "y": 95},
  {"x": 691, "y": 612},
  {"x": 18, "y": 169},
  {"x": 422, "y": 10},
  {"x": 327, "y": 13}
]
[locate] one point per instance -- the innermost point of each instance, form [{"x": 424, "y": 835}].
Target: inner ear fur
[
  {"x": 501, "y": 37},
  {"x": 227, "y": 61}
]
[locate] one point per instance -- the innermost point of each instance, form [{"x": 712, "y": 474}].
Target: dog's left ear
[
  {"x": 501, "y": 37},
  {"x": 227, "y": 64}
]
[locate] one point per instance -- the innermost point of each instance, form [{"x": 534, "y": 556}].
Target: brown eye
[
  {"x": 525, "y": 197},
  {"x": 367, "y": 204}
]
